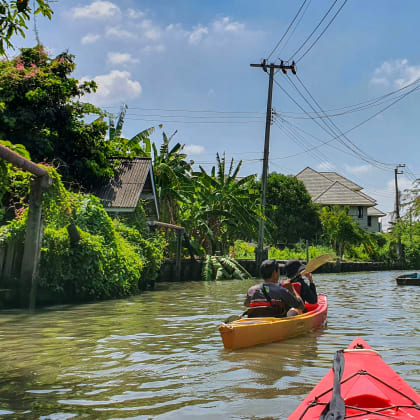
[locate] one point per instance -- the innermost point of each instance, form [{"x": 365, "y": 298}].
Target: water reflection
[{"x": 159, "y": 355}]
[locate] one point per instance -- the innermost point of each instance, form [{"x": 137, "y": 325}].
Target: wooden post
[
  {"x": 33, "y": 241},
  {"x": 179, "y": 233}
]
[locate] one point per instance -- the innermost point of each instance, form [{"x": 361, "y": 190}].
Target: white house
[{"x": 333, "y": 189}]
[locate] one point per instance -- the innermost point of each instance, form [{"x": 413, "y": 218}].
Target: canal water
[{"x": 159, "y": 355}]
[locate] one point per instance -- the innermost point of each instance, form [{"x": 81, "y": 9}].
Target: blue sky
[{"x": 170, "y": 60}]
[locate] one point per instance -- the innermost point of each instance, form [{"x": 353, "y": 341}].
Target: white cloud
[
  {"x": 90, "y": 39},
  {"x": 134, "y": 14},
  {"x": 395, "y": 73},
  {"x": 326, "y": 166},
  {"x": 116, "y": 58},
  {"x": 358, "y": 170},
  {"x": 154, "y": 48},
  {"x": 194, "y": 149},
  {"x": 116, "y": 32},
  {"x": 226, "y": 25},
  {"x": 197, "y": 34},
  {"x": 151, "y": 31},
  {"x": 97, "y": 10},
  {"x": 114, "y": 87}
]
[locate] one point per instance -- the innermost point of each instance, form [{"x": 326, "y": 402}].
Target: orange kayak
[
  {"x": 361, "y": 386},
  {"x": 247, "y": 332}
]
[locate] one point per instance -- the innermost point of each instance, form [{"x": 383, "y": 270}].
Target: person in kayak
[
  {"x": 293, "y": 268},
  {"x": 269, "y": 299}
]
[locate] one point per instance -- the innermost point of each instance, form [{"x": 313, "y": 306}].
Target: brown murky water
[{"x": 159, "y": 355}]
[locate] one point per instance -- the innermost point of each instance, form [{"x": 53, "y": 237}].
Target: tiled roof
[
  {"x": 334, "y": 176},
  {"x": 315, "y": 183},
  {"x": 368, "y": 197},
  {"x": 373, "y": 211},
  {"x": 339, "y": 194},
  {"x": 125, "y": 189}
]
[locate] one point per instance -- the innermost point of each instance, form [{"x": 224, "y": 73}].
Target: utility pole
[
  {"x": 260, "y": 254},
  {"x": 397, "y": 193},
  {"x": 397, "y": 172}
]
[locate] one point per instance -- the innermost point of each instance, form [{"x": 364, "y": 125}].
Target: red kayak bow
[{"x": 361, "y": 386}]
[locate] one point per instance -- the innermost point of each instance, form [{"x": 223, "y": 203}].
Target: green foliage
[
  {"x": 172, "y": 175},
  {"x": 110, "y": 260},
  {"x": 14, "y": 185},
  {"x": 14, "y": 16},
  {"x": 220, "y": 208},
  {"x": 149, "y": 248},
  {"x": 138, "y": 145},
  {"x": 244, "y": 250},
  {"x": 340, "y": 229},
  {"x": 291, "y": 214},
  {"x": 219, "y": 268},
  {"x": 42, "y": 111}
]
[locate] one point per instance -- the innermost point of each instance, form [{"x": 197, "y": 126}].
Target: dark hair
[
  {"x": 268, "y": 267},
  {"x": 293, "y": 267}
]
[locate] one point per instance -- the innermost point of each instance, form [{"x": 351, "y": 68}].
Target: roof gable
[
  {"x": 134, "y": 179},
  {"x": 315, "y": 182},
  {"x": 340, "y": 195},
  {"x": 373, "y": 211}
]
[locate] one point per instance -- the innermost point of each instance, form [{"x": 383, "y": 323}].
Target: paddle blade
[{"x": 317, "y": 262}]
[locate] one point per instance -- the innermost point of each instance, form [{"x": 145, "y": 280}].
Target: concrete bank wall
[{"x": 191, "y": 270}]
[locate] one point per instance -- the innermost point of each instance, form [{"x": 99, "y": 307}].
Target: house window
[
  {"x": 360, "y": 210},
  {"x": 369, "y": 220}
]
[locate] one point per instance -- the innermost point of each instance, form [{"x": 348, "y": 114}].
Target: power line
[
  {"x": 363, "y": 104},
  {"x": 294, "y": 29},
  {"x": 193, "y": 116},
  {"x": 194, "y": 122},
  {"x": 287, "y": 30},
  {"x": 188, "y": 110},
  {"x": 328, "y": 130},
  {"x": 353, "y": 146},
  {"x": 322, "y": 33},
  {"x": 337, "y": 148},
  {"x": 335, "y": 137},
  {"x": 316, "y": 27}
]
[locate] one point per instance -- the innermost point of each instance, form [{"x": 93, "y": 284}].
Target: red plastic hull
[{"x": 381, "y": 389}]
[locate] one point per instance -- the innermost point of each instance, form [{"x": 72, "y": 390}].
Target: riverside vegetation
[{"x": 219, "y": 210}]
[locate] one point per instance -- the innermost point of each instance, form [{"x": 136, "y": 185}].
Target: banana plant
[{"x": 138, "y": 146}]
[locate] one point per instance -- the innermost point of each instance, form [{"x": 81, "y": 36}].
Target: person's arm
[
  {"x": 310, "y": 291},
  {"x": 292, "y": 298},
  {"x": 247, "y": 301}
]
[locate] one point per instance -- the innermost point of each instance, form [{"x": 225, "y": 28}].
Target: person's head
[
  {"x": 270, "y": 270},
  {"x": 293, "y": 267}
]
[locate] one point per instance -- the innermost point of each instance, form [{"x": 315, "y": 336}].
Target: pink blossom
[{"x": 20, "y": 66}]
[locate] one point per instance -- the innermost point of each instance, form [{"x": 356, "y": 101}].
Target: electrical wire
[
  {"x": 190, "y": 110},
  {"x": 322, "y": 33},
  {"x": 316, "y": 27},
  {"x": 345, "y": 132},
  {"x": 287, "y": 30},
  {"x": 364, "y": 104},
  {"x": 194, "y": 122},
  {"x": 333, "y": 129},
  {"x": 193, "y": 116},
  {"x": 294, "y": 29}
]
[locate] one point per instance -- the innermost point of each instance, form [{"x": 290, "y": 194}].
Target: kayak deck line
[{"x": 371, "y": 388}]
